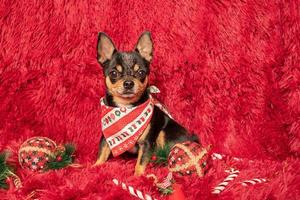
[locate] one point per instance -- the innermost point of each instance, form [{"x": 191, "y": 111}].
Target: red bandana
[{"x": 122, "y": 126}]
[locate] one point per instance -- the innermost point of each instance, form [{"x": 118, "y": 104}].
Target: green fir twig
[
  {"x": 161, "y": 154},
  {"x": 66, "y": 158},
  {"x": 166, "y": 191},
  {"x": 5, "y": 170}
]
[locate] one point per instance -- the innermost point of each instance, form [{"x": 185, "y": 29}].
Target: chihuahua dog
[{"x": 127, "y": 79}]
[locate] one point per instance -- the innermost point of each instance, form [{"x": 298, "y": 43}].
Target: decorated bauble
[
  {"x": 188, "y": 158},
  {"x": 35, "y": 152}
]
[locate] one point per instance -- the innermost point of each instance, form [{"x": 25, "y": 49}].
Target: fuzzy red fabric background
[{"x": 227, "y": 70}]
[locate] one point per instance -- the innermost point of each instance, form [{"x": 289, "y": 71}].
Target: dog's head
[{"x": 126, "y": 73}]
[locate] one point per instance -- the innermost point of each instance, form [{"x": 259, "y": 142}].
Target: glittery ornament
[
  {"x": 35, "y": 152},
  {"x": 188, "y": 158}
]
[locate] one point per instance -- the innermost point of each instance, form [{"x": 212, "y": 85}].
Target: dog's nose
[{"x": 128, "y": 84}]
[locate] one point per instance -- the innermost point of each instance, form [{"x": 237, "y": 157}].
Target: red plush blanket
[{"x": 227, "y": 70}]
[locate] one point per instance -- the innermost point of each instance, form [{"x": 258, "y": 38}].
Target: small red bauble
[
  {"x": 35, "y": 152},
  {"x": 188, "y": 158},
  {"x": 154, "y": 158},
  {"x": 58, "y": 158}
]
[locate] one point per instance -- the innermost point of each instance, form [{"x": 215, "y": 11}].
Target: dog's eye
[
  {"x": 141, "y": 73},
  {"x": 114, "y": 74}
]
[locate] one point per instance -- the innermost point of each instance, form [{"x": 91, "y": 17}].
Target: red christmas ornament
[
  {"x": 35, "y": 152},
  {"x": 188, "y": 158}
]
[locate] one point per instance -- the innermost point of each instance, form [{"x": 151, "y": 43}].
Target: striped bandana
[{"x": 122, "y": 126}]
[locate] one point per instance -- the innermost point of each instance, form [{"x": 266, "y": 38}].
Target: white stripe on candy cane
[
  {"x": 140, "y": 194},
  {"x": 124, "y": 186},
  {"x": 216, "y": 156},
  {"x": 131, "y": 191}
]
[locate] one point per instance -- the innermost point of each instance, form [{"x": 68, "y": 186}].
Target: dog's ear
[
  {"x": 105, "y": 48},
  {"x": 145, "y": 46}
]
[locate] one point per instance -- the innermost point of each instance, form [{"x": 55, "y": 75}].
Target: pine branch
[
  {"x": 161, "y": 155},
  {"x": 5, "y": 170},
  {"x": 166, "y": 191},
  {"x": 66, "y": 158}
]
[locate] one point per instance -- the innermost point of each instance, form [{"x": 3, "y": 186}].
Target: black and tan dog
[{"x": 126, "y": 78}]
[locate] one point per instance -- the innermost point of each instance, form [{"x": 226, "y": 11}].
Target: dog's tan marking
[
  {"x": 161, "y": 140},
  {"x": 142, "y": 163},
  {"x": 145, "y": 133},
  {"x": 104, "y": 154},
  {"x": 119, "y": 68},
  {"x": 140, "y": 87},
  {"x": 113, "y": 87},
  {"x": 122, "y": 101},
  {"x": 118, "y": 99},
  {"x": 140, "y": 167},
  {"x": 136, "y": 67}
]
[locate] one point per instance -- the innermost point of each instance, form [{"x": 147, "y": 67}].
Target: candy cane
[
  {"x": 16, "y": 180},
  {"x": 221, "y": 186},
  {"x": 253, "y": 181},
  {"x": 217, "y": 156},
  {"x": 167, "y": 181},
  {"x": 132, "y": 191}
]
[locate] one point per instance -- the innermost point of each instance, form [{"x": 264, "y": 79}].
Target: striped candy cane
[
  {"x": 16, "y": 180},
  {"x": 217, "y": 156},
  {"x": 221, "y": 186},
  {"x": 132, "y": 191},
  {"x": 253, "y": 181}
]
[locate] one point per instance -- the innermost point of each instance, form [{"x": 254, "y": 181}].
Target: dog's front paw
[
  {"x": 139, "y": 170},
  {"x": 98, "y": 162},
  {"x": 138, "y": 173}
]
